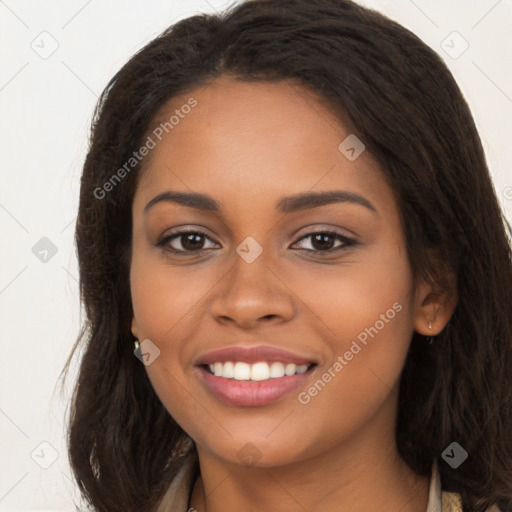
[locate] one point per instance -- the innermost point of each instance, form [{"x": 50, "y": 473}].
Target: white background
[{"x": 46, "y": 106}]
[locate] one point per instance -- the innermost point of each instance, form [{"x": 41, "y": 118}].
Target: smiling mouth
[
  {"x": 253, "y": 385},
  {"x": 253, "y": 376},
  {"x": 257, "y": 372}
]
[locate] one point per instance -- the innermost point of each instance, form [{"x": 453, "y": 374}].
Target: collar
[{"x": 435, "y": 495}]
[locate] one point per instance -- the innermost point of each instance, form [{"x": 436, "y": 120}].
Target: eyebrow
[{"x": 290, "y": 204}]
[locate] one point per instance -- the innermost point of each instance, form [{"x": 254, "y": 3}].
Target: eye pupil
[
  {"x": 192, "y": 241},
  {"x": 322, "y": 238}
]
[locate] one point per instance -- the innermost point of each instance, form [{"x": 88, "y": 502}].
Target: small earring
[
  {"x": 429, "y": 339},
  {"x": 137, "y": 345}
]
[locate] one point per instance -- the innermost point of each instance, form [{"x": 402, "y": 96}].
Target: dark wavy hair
[{"x": 124, "y": 447}]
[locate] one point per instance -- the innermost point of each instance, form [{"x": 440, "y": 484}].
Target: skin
[{"x": 247, "y": 145}]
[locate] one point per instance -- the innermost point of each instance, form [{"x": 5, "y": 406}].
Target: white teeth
[
  {"x": 242, "y": 371},
  {"x": 290, "y": 369},
  {"x": 260, "y": 371},
  {"x": 228, "y": 370},
  {"x": 217, "y": 369},
  {"x": 257, "y": 371},
  {"x": 277, "y": 370}
]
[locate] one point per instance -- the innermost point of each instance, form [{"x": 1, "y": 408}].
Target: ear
[
  {"x": 134, "y": 328},
  {"x": 434, "y": 307}
]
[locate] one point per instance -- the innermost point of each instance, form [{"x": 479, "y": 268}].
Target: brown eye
[
  {"x": 323, "y": 241},
  {"x": 191, "y": 241},
  {"x": 185, "y": 241}
]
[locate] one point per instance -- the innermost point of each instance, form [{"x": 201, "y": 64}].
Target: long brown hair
[{"x": 124, "y": 447}]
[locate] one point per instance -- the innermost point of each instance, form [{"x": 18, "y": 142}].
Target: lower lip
[{"x": 248, "y": 393}]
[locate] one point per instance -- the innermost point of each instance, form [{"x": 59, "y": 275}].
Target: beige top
[{"x": 176, "y": 499}]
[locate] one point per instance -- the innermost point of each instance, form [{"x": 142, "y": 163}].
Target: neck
[{"x": 356, "y": 476}]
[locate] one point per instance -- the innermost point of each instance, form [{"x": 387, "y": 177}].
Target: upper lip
[{"x": 252, "y": 355}]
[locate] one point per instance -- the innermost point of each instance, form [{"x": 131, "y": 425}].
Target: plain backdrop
[{"x": 56, "y": 57}]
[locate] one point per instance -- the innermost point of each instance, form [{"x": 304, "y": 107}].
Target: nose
[{"x": 252, "y": 294}]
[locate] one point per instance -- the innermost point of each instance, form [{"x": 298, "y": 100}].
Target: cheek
[
  {"x": 372, "y": 292},
  {"x": 366, "y": 315},
  {"x": 167, "y": 306},
  {"x": 163, "y": 297},
  {"x": 161, "y": 301}
]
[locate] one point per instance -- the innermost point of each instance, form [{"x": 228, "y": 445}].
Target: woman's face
[{"x": 336, "y": 310}]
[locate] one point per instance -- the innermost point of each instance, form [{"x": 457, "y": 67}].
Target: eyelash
[{"x": 347, "y": 242}]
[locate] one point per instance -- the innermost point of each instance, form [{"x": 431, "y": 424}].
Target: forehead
[{"x": 254, "y": 142}]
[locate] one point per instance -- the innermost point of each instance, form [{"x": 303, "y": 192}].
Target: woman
[{"x": 286, "y": 214}]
